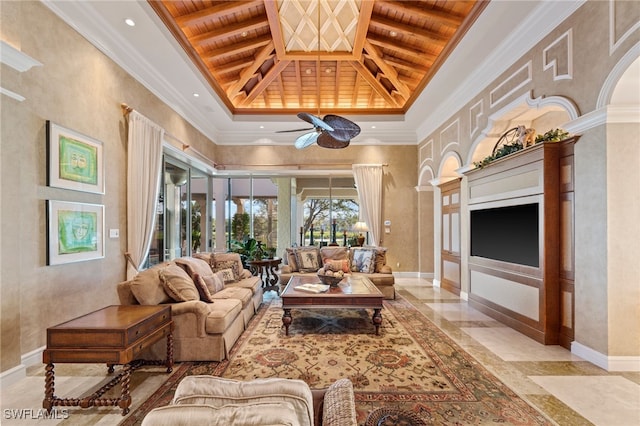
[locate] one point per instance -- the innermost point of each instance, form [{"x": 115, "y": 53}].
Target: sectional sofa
[
  {"x": 212, "y": 299},
  {"x": 368, "y": 261}
]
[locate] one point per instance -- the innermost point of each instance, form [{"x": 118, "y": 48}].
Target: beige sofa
[
  {"x": 209, "y": 400},
  {"x": 212, "y": 299},
  {"x": 366, "y": 261}
]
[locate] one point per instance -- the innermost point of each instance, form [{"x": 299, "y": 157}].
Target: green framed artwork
[
  {"x": 75, "y": 161},
  {"x": 75, "y": 232}
]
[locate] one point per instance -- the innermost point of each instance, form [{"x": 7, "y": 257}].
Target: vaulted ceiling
[{"x": 342, "y": 56}]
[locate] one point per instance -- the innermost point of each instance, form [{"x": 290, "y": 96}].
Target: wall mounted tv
[{"x": 509, "y": 234}]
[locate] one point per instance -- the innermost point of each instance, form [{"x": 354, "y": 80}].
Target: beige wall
[
  {"x": 399, "y": 195},
  {"x": 79, "y": 88},
  {"x": 607, "y": 317}
]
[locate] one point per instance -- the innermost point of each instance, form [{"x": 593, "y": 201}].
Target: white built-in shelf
[{"x": 15, "y": 58}]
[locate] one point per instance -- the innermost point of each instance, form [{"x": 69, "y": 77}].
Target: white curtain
[
  {"x": 144, "y": 165},
  {"x": 368, "y": 179}
]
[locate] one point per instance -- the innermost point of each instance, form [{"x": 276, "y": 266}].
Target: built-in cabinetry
[
  {"x": 450, "y": 244},
  {"x": 521, "y": 241}
]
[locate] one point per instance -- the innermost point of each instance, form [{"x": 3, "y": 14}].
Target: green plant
[{"x": 554, "y": 135}]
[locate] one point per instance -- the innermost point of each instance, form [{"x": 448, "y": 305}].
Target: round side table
[
  {"x": 393, "y": 417},
  {"x": 267, "y": 270}
]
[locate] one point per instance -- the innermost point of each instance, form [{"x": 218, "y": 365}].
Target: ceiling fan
[{"x": 331, "y": 131}]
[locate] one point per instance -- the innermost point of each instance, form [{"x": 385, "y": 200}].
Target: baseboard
[
  {"x": 609, "y": 363},
  {"x": 19, "y": 372},
  {"x": 406, "y": 274}
]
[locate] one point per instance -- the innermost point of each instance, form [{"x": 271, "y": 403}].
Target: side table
[
  {"x": 112, "y": 335},
  {"x": 267, "y": 270}
]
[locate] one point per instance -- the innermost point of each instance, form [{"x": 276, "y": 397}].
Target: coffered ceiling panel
[{"x": 320, "y": 56}]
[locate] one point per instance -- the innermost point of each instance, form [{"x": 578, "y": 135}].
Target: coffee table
[
  {"x": 352, "y": 292},
  {"x": 112, "y": 335}
]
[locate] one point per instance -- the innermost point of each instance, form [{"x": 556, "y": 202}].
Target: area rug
[{"x": 411, "y": 365}]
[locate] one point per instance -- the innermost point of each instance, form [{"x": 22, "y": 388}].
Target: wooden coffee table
[
  {"x": 112, "y": 335},
  {"x": 352, "y": 292}
]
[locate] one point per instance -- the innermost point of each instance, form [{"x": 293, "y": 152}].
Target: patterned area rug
[{"x": 411, "y": 365}]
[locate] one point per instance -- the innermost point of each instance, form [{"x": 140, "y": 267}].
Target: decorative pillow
[
  {"x": 203, "y": 290},
  {"x": 381, "y": 258},
  {"x": 336, "y": 265},
  {"x": 363, "y": 260},
  {"x": 195, "y": 266},
  {"x": 178, "y": 284},
  {"x": 225, "y": 275},
  {"x": 291, "y": 259},
  {"x": 307, "y": 259},
  {"x": 334, "y": 253},
  {"x": 147, "y": 287},
  {"x": 230, "y": 265}
]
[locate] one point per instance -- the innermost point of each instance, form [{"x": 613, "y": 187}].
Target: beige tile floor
[{"x": 567, "y": 389}]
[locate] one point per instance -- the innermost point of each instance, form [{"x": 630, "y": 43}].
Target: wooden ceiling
[{"x": 263, "y": 56}]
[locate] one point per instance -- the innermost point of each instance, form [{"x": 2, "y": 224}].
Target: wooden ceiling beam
[
  {"x": 266, "y": 80},
  {"x": 416, "y": 54},
  {"x": 407, "y": 8},
  {"x": 407, "y": 66},
  {"x": 298, "y": 83},
  {"x": 232, "y": 66},
  {"x": 230, "y": 31},
  {"x": 366, "y": 9},
  {"x": 235, "y": 49},
  {"x": 408, "y": 30},
  {"x": 389, "y": 72},
  {"x": 249, "y": 72},
  {"x": 219, "y": 10},
  {"x": 373, "y": 82},
  {"x": 271, "y": 7}
]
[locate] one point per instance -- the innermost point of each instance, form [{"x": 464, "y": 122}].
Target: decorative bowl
[{"x": 329, "y": 280}]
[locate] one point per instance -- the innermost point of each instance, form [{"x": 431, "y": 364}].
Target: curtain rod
[{"x": 126, "y": 110}]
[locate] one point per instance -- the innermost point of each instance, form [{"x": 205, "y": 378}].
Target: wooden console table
[
  {"x": 267, "y": 270},
  {"x": 112, "y": 335}
]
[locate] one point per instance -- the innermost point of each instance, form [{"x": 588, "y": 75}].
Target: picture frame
[
  {"x": 75, "y": 161},
  {"x": 75, "y": 232}
]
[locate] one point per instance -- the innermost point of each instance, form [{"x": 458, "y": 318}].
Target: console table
[
  {"x": 267, "y": 270},
  {"x": 112, "y": 335}
]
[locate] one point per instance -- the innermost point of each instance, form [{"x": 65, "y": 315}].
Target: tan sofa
[
  {"x": 355, "y": 260},
  {"x": 209, "y": 400},
  {"x": 212, "y": 299}
]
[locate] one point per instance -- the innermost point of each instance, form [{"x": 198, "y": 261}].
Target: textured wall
[{"x": 79, "y": 88}]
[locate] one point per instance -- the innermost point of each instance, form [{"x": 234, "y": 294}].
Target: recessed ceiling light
[
  {"x": 130, "y": 22},
  {"x": 244, "y": 34},
  {"x": 373, "y": 127},
  {"x": 196, "y": 95},
  {"x": 308, "y": 71},
  {"x": 262, "y": 127},
  {"x": 328, "y": 70},
  {"x": 393, "y": 33}
]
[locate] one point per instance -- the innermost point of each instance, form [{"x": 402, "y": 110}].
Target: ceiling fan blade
[
  {"x": 294, "y": 130},
  {"x": 316, "y": 121},
  {"x": 343, "y": 129},
  {"x": 306, "y": 140},
  {"x": 326, "y": 140}
]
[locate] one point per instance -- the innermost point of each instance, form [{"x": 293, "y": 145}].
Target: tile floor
[{"x": 567, "y": 389}]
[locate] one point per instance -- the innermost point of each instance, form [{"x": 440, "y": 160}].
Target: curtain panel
[
  {"x": 368, "y": 179},
  {"x": 144, "y": 165}
]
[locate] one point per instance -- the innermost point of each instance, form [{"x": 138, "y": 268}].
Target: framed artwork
[
  {"x": 75, "y": 161},
  {"x": 75, "y": 232}
]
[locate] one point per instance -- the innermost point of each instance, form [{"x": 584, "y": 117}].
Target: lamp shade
[{"x": 361, "y": 227}]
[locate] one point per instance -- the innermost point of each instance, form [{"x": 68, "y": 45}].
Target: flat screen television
[{"x": 509, "y": 234}]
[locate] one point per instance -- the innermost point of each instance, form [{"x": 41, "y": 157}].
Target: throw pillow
[
  {"x": 178, "y": 284},
  {"x": 195, "y": 266},
  {"x": 307, "y": 259},
  {"x": 203, "y": 290},
  {"x": 334, "y": 253},
  {"x": 228, "y": 265},
  {"x": 291, "y": 259},
  {"x": 225, "y": 275},
  {"x": 336, "y": 265},
  {"x": 381, "y": 258},
  {"x": 364, "y": 260},
  {"x": 147, "y": 287}
]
